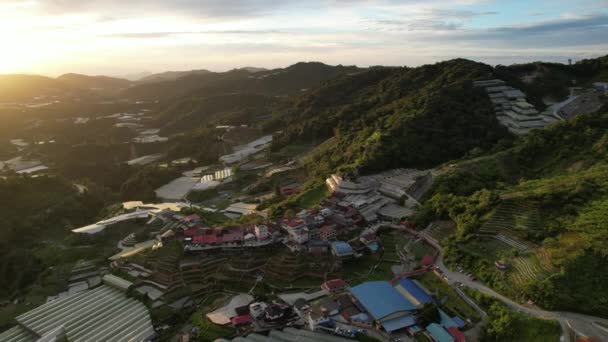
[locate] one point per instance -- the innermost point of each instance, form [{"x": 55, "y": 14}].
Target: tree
[{"x": 428, "y": 314}]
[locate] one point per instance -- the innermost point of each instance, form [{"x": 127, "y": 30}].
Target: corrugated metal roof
[
  {"x": 438, "y": 333},
  {"x": 413, "y": 292},
  {"x": 399, "y": 323},
  {"x": 380, "y": 299},
  {"x": 104, "y": 313},
  {"x": 17, "y": 334},
  {"x": 445, "y": 320}
]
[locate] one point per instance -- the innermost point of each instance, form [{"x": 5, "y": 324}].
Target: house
[
  {"x": 240, "y": 320},
  {"x": 317, "y": 247},
  {"x": 261, "y": 232},
  {"x": 329, "y": 307},
  {"x": 297, "y": 230},
  {"x": 301, "y": 307},
  {"x": 427, "y": 260},
  {"x": 327, "y": 233},
  {"x": 347, "y": 307},
  {"x": 326, "y": 212},
  {"x": 438, "y": 333},
  {"x": 257, "y": 310},
  {"x": 334, "y": 285},
  {"x": 342, "y": 250},
  {"x": 275, "y": 312},
  {"x": 501, "y": 265},
  {"x": 457, "y": 334},
  {"x": 314, "y": 234},
  {"x": 362, "y": 320},
  {"x": 290, "y": 189}
]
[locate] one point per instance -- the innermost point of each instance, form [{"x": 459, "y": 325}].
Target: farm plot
[
  {"x": 513, "y": 217},
  {"x": 526, "y": 269}
]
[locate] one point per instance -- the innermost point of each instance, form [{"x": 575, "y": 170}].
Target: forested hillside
[
  {"x": 561, "y": 173},
  {"x": 394, "y": 117},
  {"x": 33, "y": 211},
  {"x": 272, "y": 82}
]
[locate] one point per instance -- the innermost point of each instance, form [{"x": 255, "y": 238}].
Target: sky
[{"x": 122, "y": 37}]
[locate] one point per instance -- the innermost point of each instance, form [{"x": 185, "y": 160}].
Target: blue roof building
[
  {"x": 459, "y": 322},
  {"x": 445, "y": 320},
  {"x": 399, "y": 323},
  {"x": 413, "y": 293},
  {"x": 438, "y": 333},
  {"x": 342, "y": 249},
  {"x": 381, "y": 300}
]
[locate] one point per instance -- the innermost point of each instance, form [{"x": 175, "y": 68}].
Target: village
[{"x": 349, "y": 266}]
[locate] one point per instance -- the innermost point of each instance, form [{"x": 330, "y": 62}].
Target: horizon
[
  {"x": 136, "y": 75},
  {"x": 115, "y": 39}
]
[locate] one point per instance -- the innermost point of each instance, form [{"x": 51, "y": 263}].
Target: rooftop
[
  {"x": 104, "y": 313},
  {"x": 380, "y": 299},
  {"x": 438, "y": 333}
]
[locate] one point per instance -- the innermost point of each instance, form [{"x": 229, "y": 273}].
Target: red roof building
[
  {"x": 290, "y": 189},
  {"x": 240, "y": 320},
  {"x": 194, "y": 231},
  {"x": 191, "y": 218},
  {"x": 233, "y": 234},
  {"x": 334, "y": 285},
  {"x": 427, "y": 260},
  {"x": 457, "y": 334}
]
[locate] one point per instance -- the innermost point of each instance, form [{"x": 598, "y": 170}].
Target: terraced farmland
[
  {"x": 528, "y": 268},
  {"x": 513, "y": 217}
]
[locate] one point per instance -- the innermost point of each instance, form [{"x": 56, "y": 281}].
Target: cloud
[
  {"x": 590, "y": 30},
  {"x": 427, "y": 19},
  {"x": 139, "y": 35},
  {"x": 198, "y": 8}
]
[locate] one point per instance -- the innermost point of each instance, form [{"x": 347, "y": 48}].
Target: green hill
[
  {"x": 558, "y": 178},
  {"x": 394, "y": 117}
]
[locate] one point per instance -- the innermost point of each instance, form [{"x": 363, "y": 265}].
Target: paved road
[{"x": 579, "y": 323}]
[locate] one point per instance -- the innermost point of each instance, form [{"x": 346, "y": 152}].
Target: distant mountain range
[{"x": 170, "y": 84}]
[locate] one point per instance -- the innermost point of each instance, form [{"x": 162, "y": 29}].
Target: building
[
  {"x": 327, "y": 233},
  {"x": 342, "y": 250},
  {"x": 101, "y": 314},
  {"x": 301, "y": 307},
  {"x": 457, "y": 334},
  {"x": 339, "y": 185},
  {"x": 296, "y": 229},
  {"x": 317, "y": 247},
  {"x": 290, "y": 189},
  {"x": 236, "y": 210},
  {"x": 389, "y": 309},
  {"x": 334, "y": 285},
  {"x": 438, "y": 333},
  {"x": 362, "y": 320},
  {"x": 261, "y": 232},
  {"x": 413, "y": 292}
]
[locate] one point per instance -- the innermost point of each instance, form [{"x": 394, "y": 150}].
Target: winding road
[{"x": 582, "y": 325}]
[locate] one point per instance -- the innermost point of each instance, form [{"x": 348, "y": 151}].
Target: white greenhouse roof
[{"x": 102, "y": 314}]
